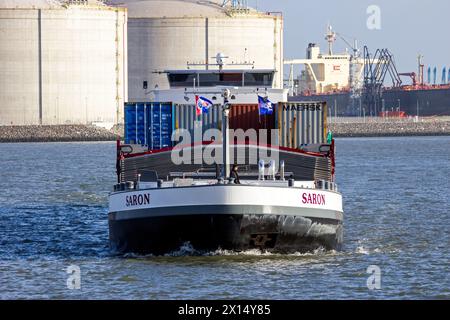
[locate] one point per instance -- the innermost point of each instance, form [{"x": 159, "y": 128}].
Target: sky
[{"x": 406, "y": 27}]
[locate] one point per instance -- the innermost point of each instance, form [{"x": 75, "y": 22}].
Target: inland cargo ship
[{"x": 274, "y": 192}]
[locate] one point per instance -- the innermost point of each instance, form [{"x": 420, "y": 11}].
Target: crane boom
[{"x": 412, "y": 75}]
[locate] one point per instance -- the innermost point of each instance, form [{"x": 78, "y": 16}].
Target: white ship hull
[{"x": 272, "y": 217}]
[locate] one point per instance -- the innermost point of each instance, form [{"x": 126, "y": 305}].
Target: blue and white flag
[
  {"x": 202, "y": 105},
  {"x": 265, "y": 106}
]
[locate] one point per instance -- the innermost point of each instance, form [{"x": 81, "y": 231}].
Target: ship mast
[
  {"x": 421, "y": 68},
  {"x": 225, "y": 133},
  {"x": 331, "y": 38}
]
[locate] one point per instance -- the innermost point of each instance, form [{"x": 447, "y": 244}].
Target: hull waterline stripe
[{"x": 330, "y": 215}]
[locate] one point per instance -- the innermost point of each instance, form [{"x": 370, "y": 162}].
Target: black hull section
[
  {"x": 425, "y": 102},
  {"x": 432, "y": 102},
  {"x": 209, "y": 232}
]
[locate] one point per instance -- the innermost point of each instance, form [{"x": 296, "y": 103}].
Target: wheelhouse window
[
  {"x": 220, "y": 79},
  {"x": 225, "y": 78},
  {"x": 258, "y": 79},
  {"x": 183, "y": 79}
]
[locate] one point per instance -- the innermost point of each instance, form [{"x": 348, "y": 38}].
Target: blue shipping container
[
  {"x": 149, "y": 124},
  {"x": 136, "y": 123}
]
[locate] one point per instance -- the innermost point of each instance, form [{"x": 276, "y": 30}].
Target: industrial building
[
  {"x": 183, "y": 34},
  {"x": 62, "y": 62},
  {"x": 79, "y": 61}
]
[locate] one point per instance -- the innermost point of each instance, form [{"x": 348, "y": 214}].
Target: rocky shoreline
[
  {"x": 57, "y": 133},
  {"x": 390, "y": 128},
  {"x": 341, "y": 128}
]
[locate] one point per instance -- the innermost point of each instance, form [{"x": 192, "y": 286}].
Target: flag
[
  {"x": 329, "y": 137},
  {"x": 202, "y": 105},
  {"x": 265, "y": 106}
]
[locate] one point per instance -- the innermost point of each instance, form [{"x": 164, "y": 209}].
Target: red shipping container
[{"x": 246, "y": 116}]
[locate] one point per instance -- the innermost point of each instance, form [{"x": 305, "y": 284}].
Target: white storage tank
[
  {"x": 166, "y": 35},
  {"x": 62, "y": 62}
]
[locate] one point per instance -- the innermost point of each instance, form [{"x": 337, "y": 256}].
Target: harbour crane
[
  {"x": 376, "y": 68},
  {"x": 356, "y": 66}
]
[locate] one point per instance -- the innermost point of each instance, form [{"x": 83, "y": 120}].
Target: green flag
[{"x": 329, "y": 137}]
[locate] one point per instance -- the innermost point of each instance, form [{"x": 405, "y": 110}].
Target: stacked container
[
  {"x": 298, "y": 123},
  {"x": 242, "y": 116},
  {"x": 149, "y": 124},
  {"x": 301, "y": 123}
]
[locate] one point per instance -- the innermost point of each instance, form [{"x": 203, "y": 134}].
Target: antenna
[{"x": 221, "y": 62}]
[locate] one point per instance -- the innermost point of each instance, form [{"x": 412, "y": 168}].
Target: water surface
[{"x": 53, "y": 214}]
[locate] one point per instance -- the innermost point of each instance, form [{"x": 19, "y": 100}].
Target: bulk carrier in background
[{"x": 355, "y": 83}]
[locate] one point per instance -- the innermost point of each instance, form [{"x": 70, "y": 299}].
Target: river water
[{"x": 53, "y": 216}]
